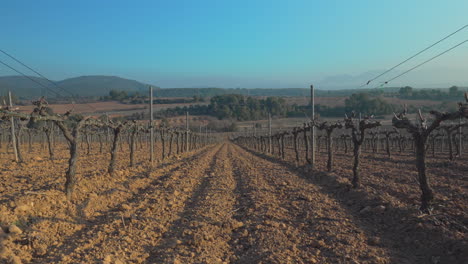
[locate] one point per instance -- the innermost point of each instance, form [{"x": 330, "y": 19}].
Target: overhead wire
[
  {"x": 26, "y": 76},
  {"x": 424, "y": 62},
  {"x": 413, "y": 56},
  {"x": 39, "y": 74}
]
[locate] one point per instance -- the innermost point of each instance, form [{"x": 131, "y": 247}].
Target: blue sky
[{"x": 242, "y": 43}]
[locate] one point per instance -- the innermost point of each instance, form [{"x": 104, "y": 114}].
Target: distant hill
[
  {"x": 21, "y": 86},
  {"x": 99, "y": 85},
  {"x": 80, "y": 86}
]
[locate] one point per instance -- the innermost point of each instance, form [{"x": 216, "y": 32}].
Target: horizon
[
  {"x": 228, "y": 88},
  {"x": 248, "y": 44}
]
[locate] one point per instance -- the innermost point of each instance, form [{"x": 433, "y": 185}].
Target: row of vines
[
  {"x": 19, "y": 131},
  {"x": 434, "y": 136}
]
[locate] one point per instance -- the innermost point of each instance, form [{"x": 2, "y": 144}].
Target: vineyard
[{"x": 78, "y": 189}]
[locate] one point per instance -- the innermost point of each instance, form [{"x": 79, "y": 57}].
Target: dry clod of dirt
[
  {"x": 374, "y": 241},
  {"x": 24, "y": 208},
  {"x": 13, "y": 229},
  {"x": 126, "y": 207},
  {"x": 318, "y": 244},
  {"x": 365, "y": 210},
  {"x": 236, "y": 224}
]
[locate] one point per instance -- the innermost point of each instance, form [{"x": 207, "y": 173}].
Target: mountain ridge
[{"x": 88, "y": 85}]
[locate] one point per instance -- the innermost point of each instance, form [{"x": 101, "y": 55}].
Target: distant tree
[
  {"x": 406, "y": 91},
  {"x": 453, "y": 91},
  {"x": 365, "y": 104}
]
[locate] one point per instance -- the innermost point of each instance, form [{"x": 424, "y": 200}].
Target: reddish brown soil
[
  {"x": 226, "y": 204},
  {"x": 112, "y": 106}
]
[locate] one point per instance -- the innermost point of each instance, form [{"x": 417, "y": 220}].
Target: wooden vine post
[
  {"x": 312, "y": 133},
  {"x": 13, "y": 134},
  {"x": 151, "y": 125},
  {"x": 186, "y": 132},
  {"x": 449, "y": 129}
]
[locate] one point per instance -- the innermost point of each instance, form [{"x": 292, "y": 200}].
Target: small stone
[
  {"x": 174, "y": 242},
  {"x": 40, "y": 249},
  {"x": 236, "y": 224},
  {"x": 245, "y": 233},
  {"x": 435, "y": 259},
  {"x": 316, "y": 251},
  {"x": 22, "y": 208},
  {"x": 13, "y": 229},
  {"x": 365, "y": 210},
  {"x": 318, "y": 243},
  {"x": 118, "y": 261},
  {"x": 126, "y": 207},
  {"x": 379, "y": 209},
  {"x": 15, "y": 260},
  {"x": 108, "y": 259},
  {"x": 373, "y": 241}
]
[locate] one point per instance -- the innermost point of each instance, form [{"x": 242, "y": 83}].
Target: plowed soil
[{"x": 227, "y": 204}]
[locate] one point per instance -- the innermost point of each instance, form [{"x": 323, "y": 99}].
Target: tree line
[{"x": 243, "y": 108}]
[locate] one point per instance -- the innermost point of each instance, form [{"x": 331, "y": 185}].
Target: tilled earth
[{"x": 227, "y": 204}]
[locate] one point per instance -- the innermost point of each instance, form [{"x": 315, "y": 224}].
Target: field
[
  {"x": 226, "y": 204},
  {"x": 340, "y": 101},
  {"x": 113, "y": 108}
]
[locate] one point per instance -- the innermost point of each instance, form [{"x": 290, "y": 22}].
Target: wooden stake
[
  {"x": 186, "y": 132},
  {"x": 312, "y": 141},
  {"x": 269, "y": 133},
  {"x": 151, "y": 125},
  {"x": 13, "y": 135}
]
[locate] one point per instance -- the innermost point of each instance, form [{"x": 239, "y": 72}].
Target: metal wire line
[
  {"x": 430, "y": 46},
  {"x": 24, "y": 75},
  {"x": 54, "y": 83},
  {"x": 426, "y": 61}
]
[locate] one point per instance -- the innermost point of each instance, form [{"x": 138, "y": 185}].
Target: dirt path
[
  {"x": 130, "y": 230},
  {"x": 293, "y": 222},
  {"x": 221, "y": 204}
]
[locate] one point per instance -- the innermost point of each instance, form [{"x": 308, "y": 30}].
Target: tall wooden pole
[
  {"x": 186, "y": 132},
  {"x": 460, "y": 141},
  {"x": 269, "y": 132},
  {"x": 312, "y": 142},
  {"x": 13, "y": 135},
  {"x": 151, "y": 125}
]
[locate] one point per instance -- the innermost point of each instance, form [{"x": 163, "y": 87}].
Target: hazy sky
[{"x": 238, "y": 43}]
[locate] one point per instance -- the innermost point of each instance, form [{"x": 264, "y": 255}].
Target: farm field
[
  {"x": 113, "y": 108},
  {"x": 227, "y": 204}
]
